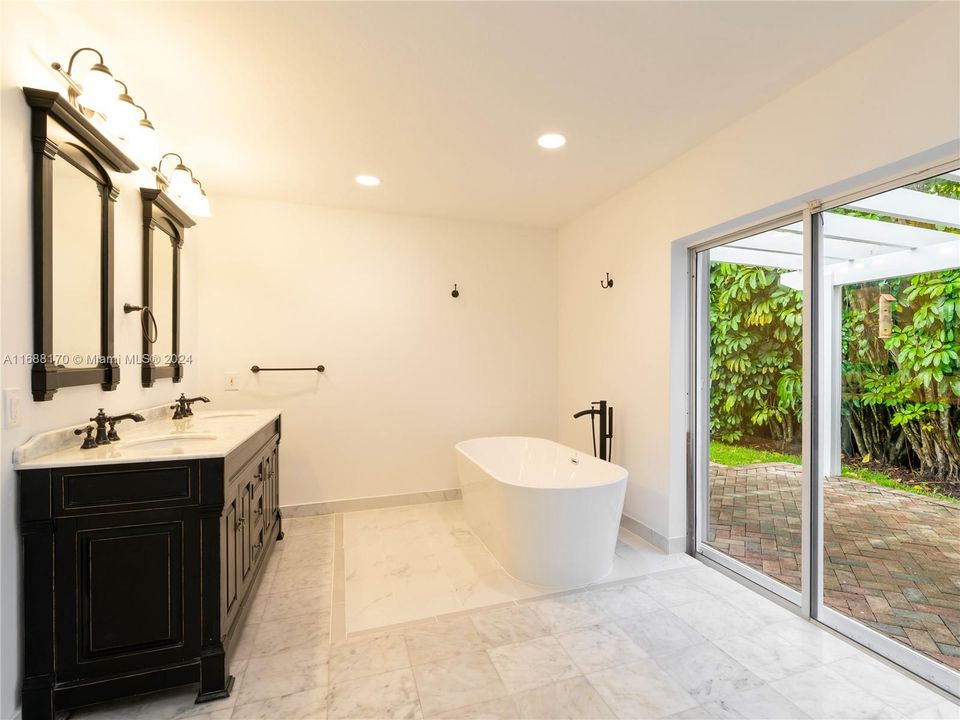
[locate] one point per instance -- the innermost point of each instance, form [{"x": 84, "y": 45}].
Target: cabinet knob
[{"x": 240, "y": 522}]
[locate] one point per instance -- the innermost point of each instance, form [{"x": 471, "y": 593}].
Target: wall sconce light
[
  {"x": 183, "y": 187},
  {"x": 102, "y": 94},
  {"x": 123, "y": 117},
  {"x": 143, "y": 140},
  {"x": 98, "y": 93},
  {"x": 179, "y": 181},
  {"x": 201, "y": 205}
]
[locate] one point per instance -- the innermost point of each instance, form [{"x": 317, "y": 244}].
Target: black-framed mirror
[
  {"x": 73, "y": 202},
  {"x": 163, "y": 227}
]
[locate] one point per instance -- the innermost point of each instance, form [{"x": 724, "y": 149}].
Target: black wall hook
[
  {"x": 455, "y": 293},
  {"x": 608, "y": 284}
]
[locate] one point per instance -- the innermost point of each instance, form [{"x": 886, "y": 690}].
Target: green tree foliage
[
  {"x": 755, "y": 330},
  {"x": 901, "y": 395},
  {"x": 909, "y": 382}
]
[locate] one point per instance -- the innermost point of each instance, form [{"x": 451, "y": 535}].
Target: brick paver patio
[{"x": 892, "y": 558}]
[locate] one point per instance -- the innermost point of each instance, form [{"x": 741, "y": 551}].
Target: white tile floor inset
[
  {"x": 646, "y": 648},
  {"x": 419, "y": 561}
]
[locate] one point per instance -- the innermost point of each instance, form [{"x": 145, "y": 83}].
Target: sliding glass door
[
  {"x": 750, "y": 377},
  {"x": 890, "y": 493},
  {"x": 825, "y": 416}
]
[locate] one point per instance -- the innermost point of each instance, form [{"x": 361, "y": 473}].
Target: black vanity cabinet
[
  {"x": 247, "y": 527},
  {"x": 136, "y": 575}
]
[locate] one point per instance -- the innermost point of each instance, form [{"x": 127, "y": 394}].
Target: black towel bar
[{"x": 257, "y": 369}]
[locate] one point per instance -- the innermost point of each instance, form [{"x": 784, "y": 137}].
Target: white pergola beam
[
  {"x": 934, "y": 258},
  {"x": 790, "y": 243},
  {"x": 760, "y": 258},
  {"x": 879, "y": 232},
  {"x": 912, "y": 205},
  {"x": 772, "y": 241},
  {"x": 857, "y": 249},
  {"x": 848, "y": 238}
]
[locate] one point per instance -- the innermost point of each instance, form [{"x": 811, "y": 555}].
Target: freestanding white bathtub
[{"x": 548, "y": 513}]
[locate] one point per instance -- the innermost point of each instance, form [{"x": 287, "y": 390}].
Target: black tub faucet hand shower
[{"x": 600, "y": 409}]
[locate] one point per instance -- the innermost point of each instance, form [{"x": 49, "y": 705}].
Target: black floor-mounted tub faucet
[{"x": 604, "y": 412}]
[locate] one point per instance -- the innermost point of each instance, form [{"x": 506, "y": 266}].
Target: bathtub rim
[{"x": 624, "y": 475}]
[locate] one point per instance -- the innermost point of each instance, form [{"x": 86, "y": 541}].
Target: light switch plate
[
  {"x": 231, "y": 381},
  {"x": 11, "y": 407}
]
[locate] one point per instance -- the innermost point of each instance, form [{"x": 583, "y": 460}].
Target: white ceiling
[{"x": 444, "y": 101}]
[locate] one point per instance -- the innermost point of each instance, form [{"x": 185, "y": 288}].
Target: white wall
[
  {"x": 30, "y": 41},
  {"x": 893, "y": 99},
  {"x": 409, "y": 370}
]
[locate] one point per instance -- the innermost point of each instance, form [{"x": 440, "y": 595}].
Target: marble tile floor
[
  {"x": 681, "y": 642},
  {"x": 420, "y": 561}
]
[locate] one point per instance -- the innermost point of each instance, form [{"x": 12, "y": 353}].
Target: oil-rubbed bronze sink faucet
[
  {"x": 183, "y": 407},
  {"x": 112, "y": 422},
  {"x": 104, "y": 436}
]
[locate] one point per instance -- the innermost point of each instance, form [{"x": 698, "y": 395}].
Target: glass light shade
[
  {"x": 199, "y": 205},
  {"x": 124, "y": 117},
  {"x": 181, "y": 183},
  {"x": 99, "y": 90},
  {"x": 143, "y": 143}
]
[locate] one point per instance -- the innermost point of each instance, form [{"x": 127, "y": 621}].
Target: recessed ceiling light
[
  {"x": 367, "y": 180},
  {"x": 551, "y": 141}
]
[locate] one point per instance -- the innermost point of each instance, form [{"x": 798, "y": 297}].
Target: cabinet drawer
[{"x": 141, "y": 487}]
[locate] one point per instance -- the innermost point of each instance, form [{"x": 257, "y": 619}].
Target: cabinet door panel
[
  {"x": 268, "y": 492},
  {"x": 258, "y": 507},
  {"x": 231, "y": 564},
  {"x": 130, "y": 569},
  {"x": 256, "y": 549},
  {"x": 275, "y": 484},
  {"x": 125, "y": 591},
  {"x": 245, "y": 532}
]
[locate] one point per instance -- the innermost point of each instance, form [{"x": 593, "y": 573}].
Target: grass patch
[
  {"x": 737, "y": 455},
  {"x": 878, "y": 478}
]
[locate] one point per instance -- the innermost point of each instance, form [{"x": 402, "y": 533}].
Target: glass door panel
[
  {"x": 749, "y": 329},
  {"x": 890, "y": 497}
]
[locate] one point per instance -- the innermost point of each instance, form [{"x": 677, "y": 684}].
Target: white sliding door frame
[
  {"x": 699, "y": 441},
  {"x": 827, "y": 457},
  {"x": 811, "y": 492},
  {"x": 820, "y": 418}
]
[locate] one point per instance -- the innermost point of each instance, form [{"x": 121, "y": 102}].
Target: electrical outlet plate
[
  {"x": 11, "y": 407},
  {"x": 231, "y": 381}
]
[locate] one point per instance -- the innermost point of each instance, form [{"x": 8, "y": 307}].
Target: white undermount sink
[
  {"x": 169, "y": 442},
  {"x": 224, "y": 415}
]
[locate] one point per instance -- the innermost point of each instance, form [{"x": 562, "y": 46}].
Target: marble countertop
[{"x": 206, "y": 434}]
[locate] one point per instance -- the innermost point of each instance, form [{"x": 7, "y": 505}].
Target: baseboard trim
[
  {"x": 668, "y": 545},
  {"x": 368, "y": 503}
]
